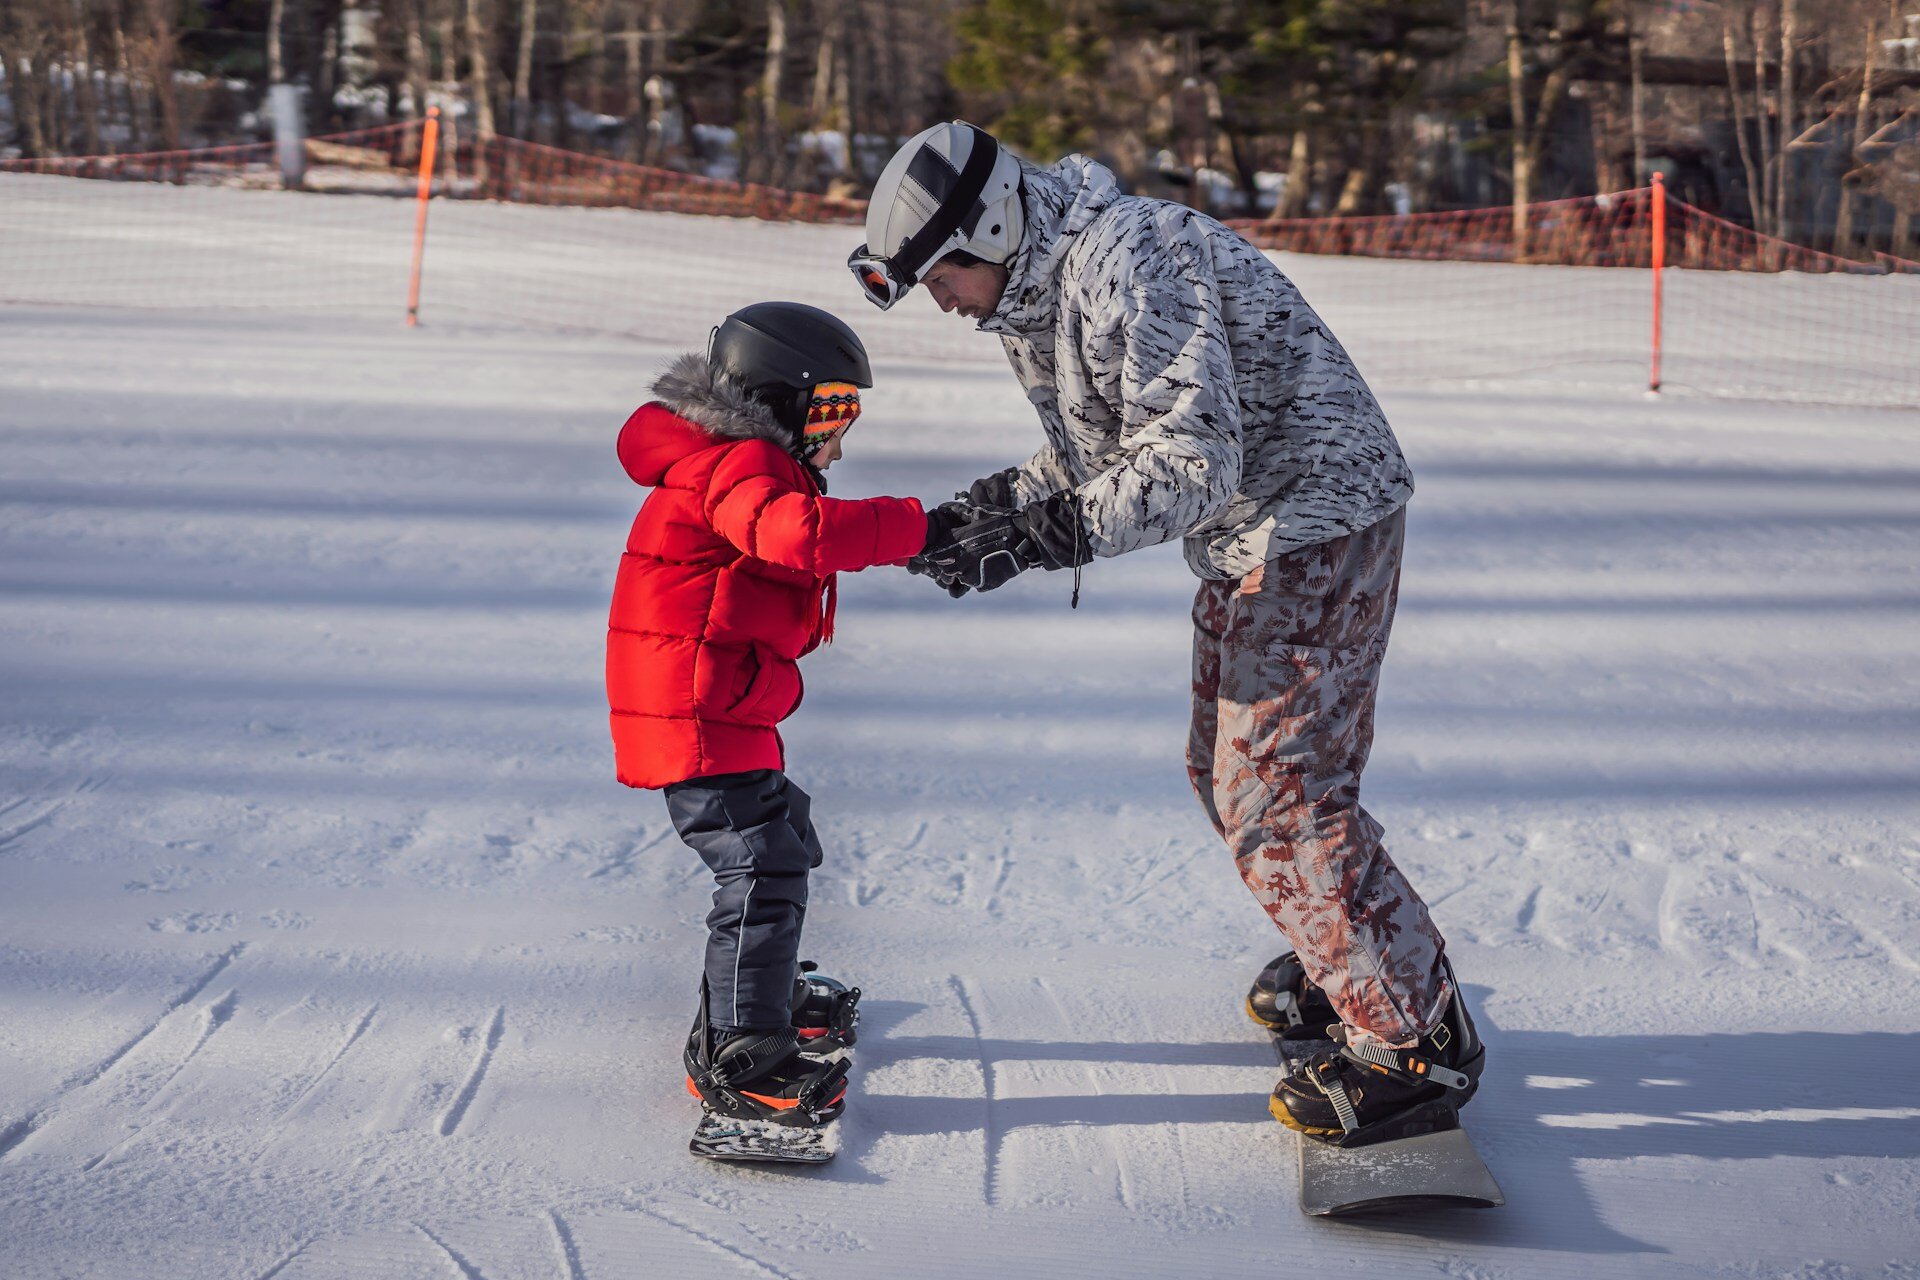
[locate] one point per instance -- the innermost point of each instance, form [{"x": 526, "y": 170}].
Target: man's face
[{"x": 972, "y": 291}]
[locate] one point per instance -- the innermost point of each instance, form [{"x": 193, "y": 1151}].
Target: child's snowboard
[{"x": 719, "y": 1137}]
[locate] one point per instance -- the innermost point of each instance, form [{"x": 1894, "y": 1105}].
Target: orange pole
[
  {"x": 1659, "y": 265},
  {"x": 428, "y": 141}
]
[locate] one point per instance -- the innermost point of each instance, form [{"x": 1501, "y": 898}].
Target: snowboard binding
[
  {"x": 826, "y": 1012},
  {"x": 1287, "y": 1003},
  {"x": 1353, "y": 1092},
  {"x": 763, "y": 1076}
]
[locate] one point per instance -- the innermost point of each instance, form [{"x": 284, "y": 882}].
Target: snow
[{"x": 331, "y": 948}]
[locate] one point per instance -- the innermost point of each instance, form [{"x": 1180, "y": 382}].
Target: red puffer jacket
[{"x": 726, "y": 581}]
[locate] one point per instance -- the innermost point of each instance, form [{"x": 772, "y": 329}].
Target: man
[{"x": 1186, "y": 390}]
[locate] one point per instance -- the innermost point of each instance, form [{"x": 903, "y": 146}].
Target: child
[{"x": 728, "y": 578}]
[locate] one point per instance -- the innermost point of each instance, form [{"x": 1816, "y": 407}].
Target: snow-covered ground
[{"x": 329, "y": 947}]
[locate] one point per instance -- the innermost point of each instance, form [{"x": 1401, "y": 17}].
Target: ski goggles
[{"x": 882, "y": 282}]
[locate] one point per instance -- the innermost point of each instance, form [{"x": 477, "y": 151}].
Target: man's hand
[
  {"x": 984, "y": 548},
  {"x": 995, "y": 491},
  {"x": 986, "y": 552}
]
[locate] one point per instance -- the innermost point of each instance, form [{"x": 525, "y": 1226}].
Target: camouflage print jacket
[{"x": 1185, "y": 387}]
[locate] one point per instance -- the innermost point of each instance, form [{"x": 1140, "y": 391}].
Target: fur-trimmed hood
[
  {"x": 710, "y": 398},
  {"x": 697, "y": 407}
]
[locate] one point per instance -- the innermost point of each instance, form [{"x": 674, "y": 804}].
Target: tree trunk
[
  {"x": 523, "y": 70},
  {"x": 417, "y": 56},
  {"x": 139, "y": 122},
  {"x": 1293, "y": 196},
  {"x": 1634, "y": 50},
  {"x": 276, "y": 66},
  {"x": 1783, "y": 217},
  {"x": 1734, "y": 104},
  {"x": 161, "y": 23},
  {"x": 825, "y": 58},
  {"x": 479, "y": 87},
  {"x": 770, "y": 78},
  {"x": 653, "y": 57},
  {"x": 1843, "y": 221},
  {"x": 56, "y": 117},
  {"x": 328, "y": 79},
  {"x": 1522, "y": 154},
  {"x": 636, "y": 105},
  {"x": 559, "y": 132},
  {"x": 19, "y": 50},
  {"x": 1769, "y": 172}
]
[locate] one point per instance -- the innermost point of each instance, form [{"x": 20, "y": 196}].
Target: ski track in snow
[
  {"x": 466, "y": 1270},
  {"x": 214, "y": 1017},
  {"x": 567, "y": 1250},
  {"x": 24, "y": 1128},
  {"x": 759, "y": 1266},
  {"x": 358, "y": 1029},
  {"x": 286, "y": 1260},
  {"x": 455, "y": 1113}
]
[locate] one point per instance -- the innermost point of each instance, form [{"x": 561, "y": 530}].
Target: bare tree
[
  {"x": 1530, "y": 126},
  {"x": 521, "y": 118}
]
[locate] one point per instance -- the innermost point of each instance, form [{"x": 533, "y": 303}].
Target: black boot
[
  {"x": 1286, "y": 1002},
  {"x": 1354, "y": 1093}
]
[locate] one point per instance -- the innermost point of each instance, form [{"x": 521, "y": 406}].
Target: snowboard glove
[
  {"x": 995, "y": 490},
  {"x": 941, "y": 522},
  {"x": 986, "y": 549}
]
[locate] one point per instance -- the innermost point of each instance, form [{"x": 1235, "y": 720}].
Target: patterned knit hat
[{"x": 831, "y": 410}]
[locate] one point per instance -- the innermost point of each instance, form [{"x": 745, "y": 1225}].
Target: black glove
[
  {"x": 989, "y": 548},
  {"x": 941, "y": 522},
  {"x": 995, "y": 490}
]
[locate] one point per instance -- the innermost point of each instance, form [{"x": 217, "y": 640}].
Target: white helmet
[{"x": 951, "y": 188}]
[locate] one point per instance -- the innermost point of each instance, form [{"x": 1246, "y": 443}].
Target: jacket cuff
[
  {"x": 1054, "y": 525},
  {"x": 901, "y": 531}
]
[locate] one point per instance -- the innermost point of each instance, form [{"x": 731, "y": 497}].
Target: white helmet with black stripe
[{"x": 951, "y": 188}]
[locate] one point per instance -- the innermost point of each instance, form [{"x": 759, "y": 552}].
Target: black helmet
[{"x": 780, "y": 350}]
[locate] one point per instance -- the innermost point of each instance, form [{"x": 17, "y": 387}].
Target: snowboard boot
[
  {"x": 1356, "y": 1092},
  {"x": 825, "y": 1013},
  {"x": 762, "y": 1075},
  {"x": 1287, "y": 1003}
]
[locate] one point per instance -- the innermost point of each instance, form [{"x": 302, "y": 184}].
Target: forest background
[{"x": 1798, "y": 118}]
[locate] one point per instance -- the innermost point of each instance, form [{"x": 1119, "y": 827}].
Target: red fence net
[{"x": 1470, "y": 297}]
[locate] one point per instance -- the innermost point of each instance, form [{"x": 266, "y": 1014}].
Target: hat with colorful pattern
[{"x": 831, "y": 410}]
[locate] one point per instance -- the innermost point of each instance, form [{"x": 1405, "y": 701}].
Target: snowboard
[
  {"x": 1435, "y": 1165},
  {"x": 720, "y": 1137}
]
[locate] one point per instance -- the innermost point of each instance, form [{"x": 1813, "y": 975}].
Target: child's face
[{"x": 829, "y": 453}]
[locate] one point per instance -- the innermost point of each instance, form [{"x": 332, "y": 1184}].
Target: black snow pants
[{"x": 755, "y": 833}]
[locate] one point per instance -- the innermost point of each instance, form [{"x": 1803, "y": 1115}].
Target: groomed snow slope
[{"x": 329, "y": 947}]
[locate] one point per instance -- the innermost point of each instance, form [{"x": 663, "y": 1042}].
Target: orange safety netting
[
  {"x": 381, "y": 147},
  {"x": 1614, "y": 230},
  {"x": 529, "y": 173},
  {"x": 1455, "y": 298}
]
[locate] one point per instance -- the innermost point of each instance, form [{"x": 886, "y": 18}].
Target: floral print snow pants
[{"x": 1286, "y": 663}]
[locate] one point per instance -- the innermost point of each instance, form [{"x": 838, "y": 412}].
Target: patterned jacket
[{"x": 1185, "y": 387}]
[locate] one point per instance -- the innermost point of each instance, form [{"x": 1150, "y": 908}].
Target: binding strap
[{"x": 1402, "y": 1064}]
